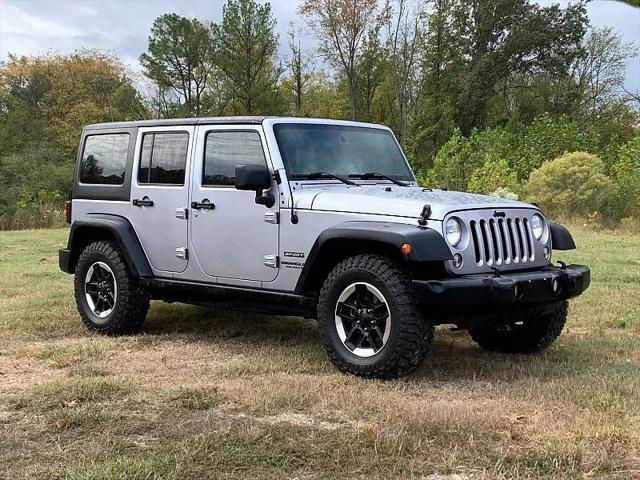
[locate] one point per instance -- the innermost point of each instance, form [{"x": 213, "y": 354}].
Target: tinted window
[
  {"x": 340, "y": 149},
  {"x": 163, "y": 158},
  {"x": 225, "y": 150},
  {"x": 104, "y": 159}
]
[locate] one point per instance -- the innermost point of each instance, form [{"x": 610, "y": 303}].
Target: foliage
[
  {"x": 573, "y": 184},
  {"x": 475, "y": 55},
  {"x": 492, "y": 176},
  {"x": 55, "y": 96},
  {"x": 626, "y": 176},
  {"x": 505, "y": 156},
  {"x": 180, "y": 62},
  {"x": 45, "y": 101},
  {"x": 298, "y": 65},
  {"x": 454, "y": 164},
  {"x": 343, "y": 28},
  {"x": 245, "y": 49},
  {"x": 503, "y": 192}
]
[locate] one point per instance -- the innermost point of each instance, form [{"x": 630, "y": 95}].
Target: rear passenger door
[{"x": 160, "y": 194}]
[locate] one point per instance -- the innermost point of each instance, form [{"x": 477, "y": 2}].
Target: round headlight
[
  {"x": 537, "y": 226},
  {"x": 453, "y": 231}
]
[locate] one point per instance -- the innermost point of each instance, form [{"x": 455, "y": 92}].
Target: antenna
[
  {"x": 294, "y": 217},
  {"x": 278, "y": 177}
]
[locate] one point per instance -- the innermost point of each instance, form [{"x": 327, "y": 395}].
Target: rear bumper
[
  {"x": 547, "y": 285},
  {"x": 64, "y": 260}
]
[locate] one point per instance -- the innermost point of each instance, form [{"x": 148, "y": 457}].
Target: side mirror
[{"x": 256, "y": 178}]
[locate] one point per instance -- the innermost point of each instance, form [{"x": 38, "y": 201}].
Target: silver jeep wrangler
[{"x": 310, "y": 217}]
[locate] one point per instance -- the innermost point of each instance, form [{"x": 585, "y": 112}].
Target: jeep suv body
[{"x": 310, "y": 217}]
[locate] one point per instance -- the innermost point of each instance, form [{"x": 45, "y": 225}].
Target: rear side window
[
  {"x": 104, "y": 159},
  {"x": 163, "y": 158},
  {"x": 226, "y": 149}
]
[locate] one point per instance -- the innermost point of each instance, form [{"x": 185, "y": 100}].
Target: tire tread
[
  {"x": 415, "y": 332},
  {"x": 133, "y": 301}
]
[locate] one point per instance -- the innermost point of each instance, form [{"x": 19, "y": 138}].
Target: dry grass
[{"x": 208, "y": 393}]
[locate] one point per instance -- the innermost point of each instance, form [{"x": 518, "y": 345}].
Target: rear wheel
[
  {"x": 108, "y": 296},
  {"x": 368, "y": 319},
  {"x": 529, "y": 334}
]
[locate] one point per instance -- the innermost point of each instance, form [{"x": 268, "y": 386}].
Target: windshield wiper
[
  {"x": 376, "y": 175},
  {"x": 318, "y": 175}
]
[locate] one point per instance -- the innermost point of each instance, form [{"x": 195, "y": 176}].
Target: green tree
[
  {"x": 179, "y": 61},
  {"x": 403, "y": 38},
  {"x": 300, "y": 68},
  {"x": 626, "y": 175},
  {"x": 44, "y": 103},
  {"x": 476, "y": 55},
  {"x": 343, "y": 29},
  {"x": 245, "y": 51}
]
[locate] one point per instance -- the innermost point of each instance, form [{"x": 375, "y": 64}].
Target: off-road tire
[
  {"x": 535, "y": 334},
  {"x": 410, "y": 335},
  {"x": 132, "y": 302}
]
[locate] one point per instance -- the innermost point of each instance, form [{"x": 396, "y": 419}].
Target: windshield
[{"x": 339, "y": 150}]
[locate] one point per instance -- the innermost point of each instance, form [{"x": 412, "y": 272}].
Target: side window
[
  {"x": 226, "y": 149},
  {"x": 163, "y": 158},
  {"x": 104, "y": 159}
]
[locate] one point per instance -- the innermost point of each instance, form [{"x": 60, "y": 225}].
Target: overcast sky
[{"x": 122, "y": 26}]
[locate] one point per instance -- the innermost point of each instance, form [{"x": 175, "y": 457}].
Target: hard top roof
[
  {"x": 240, "y": 120},
  {"x": 179, "y": 121}
]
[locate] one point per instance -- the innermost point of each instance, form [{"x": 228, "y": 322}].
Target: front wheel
[
  {"x": 108, "y": 296},
  {"x": 369, "y": 321},
  {"x": 529, "y": 333}
]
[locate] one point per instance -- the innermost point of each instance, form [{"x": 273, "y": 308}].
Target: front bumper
[{"x": 550, "y": 284}]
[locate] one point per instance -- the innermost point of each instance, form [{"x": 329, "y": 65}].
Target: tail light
[{"x": 67, "y": 212}]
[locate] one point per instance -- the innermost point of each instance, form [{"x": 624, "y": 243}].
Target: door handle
[
  {"x": 204, "y": 205},
  {"x": 145, "y": 202}
]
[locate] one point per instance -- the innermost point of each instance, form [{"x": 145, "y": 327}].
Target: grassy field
[{"x": 217, "y": 394}]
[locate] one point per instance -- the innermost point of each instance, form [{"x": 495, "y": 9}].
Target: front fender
[
  {"x": 427, "y": 245},
  {"x": 561, "y": 239}
]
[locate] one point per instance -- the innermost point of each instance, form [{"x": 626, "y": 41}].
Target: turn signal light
[{"x": 406, "y": 249}]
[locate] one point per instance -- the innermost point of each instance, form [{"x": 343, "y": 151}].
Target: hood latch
[{"x": 424, "y": 216}]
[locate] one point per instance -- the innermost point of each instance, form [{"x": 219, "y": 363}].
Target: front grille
[{"x": 502, "y": 241}]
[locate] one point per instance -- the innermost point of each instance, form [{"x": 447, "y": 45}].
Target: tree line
[{"x": 480, "y": 94}]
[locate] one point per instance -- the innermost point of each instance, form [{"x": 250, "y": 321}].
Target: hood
[{"x": 394, "y": 200}]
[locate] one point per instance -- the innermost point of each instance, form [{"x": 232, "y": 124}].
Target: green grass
[{"x": 210, "y": 393}]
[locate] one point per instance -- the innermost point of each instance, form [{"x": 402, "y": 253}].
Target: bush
[
  {"x": 491, "y": 176},
  {"x": 510, "y": 153},
  {"x": 503, "y": 192},
  {"x": 574, "y": 184},
  {"x": 44, "y": 209},
  {"x": 625, "y": 172},
  {"x": 454, "y": 164}
]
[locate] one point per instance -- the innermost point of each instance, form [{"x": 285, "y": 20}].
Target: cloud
[
  {"x": 122, "y": 26},
  {"x": 17, "y": 22}
]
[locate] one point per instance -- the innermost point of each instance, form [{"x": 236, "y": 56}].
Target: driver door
[{"x": 233, "y": 238}]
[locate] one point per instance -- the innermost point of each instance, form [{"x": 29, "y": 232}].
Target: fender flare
[
  {"x": 561, "y": 239},
  {"x": 99, "y": 226},
  {"x": 427, "y": 244}
]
